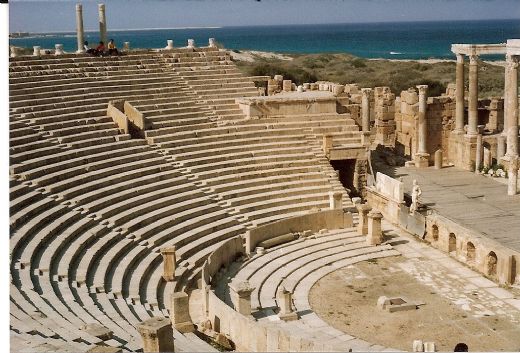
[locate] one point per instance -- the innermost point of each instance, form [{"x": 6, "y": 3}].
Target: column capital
[
  {"x": 79, "y": 7},
  {"x": 512, "y": 61},
  {"x": 101, "y": 7},
  {"x": 473, "y": 59},
  {"x": 422, "y": 89},
  {"x": 460, "y": 58},
  {"x": 366, "y": 91}
]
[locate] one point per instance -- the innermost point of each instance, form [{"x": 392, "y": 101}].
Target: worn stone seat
[
  {"x": 47, "y": 174},
  {"x": 67, "y": 158},
  {"x": 58, "y": 182},
  {"x": 109, "y": 191},
  {"x": 148, "y": 205}
]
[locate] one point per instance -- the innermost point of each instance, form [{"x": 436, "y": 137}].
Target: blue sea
[{"x": 399, "y": 40}]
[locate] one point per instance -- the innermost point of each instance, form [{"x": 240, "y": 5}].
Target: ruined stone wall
[
  {"x": 384, "y": 111},
  {"x": 406, "y": 122},
  {"x": 440, "y": 117}
]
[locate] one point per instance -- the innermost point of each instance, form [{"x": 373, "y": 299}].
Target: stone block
[
  {"x": 179, "y": 312},
  {"x": 98, "y": 331},
  {"x": 157, "y": 335}
]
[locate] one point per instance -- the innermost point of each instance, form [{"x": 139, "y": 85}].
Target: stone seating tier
[{"x": 92, "y": 207}]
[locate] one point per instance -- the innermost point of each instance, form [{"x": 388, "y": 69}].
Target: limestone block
[
  {"x": 327, "y": 143},
  {"x": 348, "y": 220},
  {"x": 335, "y": 200},
  {"x": 169, "y": 263},
  {"x": 306, "y": 86},
  {"x": 293, "y": 86},
  {"x": 278, "y": 78},
  {"x": 438, "y": 159},
  {"x": 224, "y": 341},
  {"x": 417, "y": 346},
  {"x": 375, "y": 234},
  {"x": 284, "y": 299},
  {"x": 157, "y": 335},
  {"x": 180, "y": 313},
  {"x": 241, "y": 296},
  {"x": 363, "y": 210},
  {"x": 300, "y": 88},
  {"x": 287, "y": 85},
  {"x": 429, "y": 346},
  {"x": 98, "y": 331},
  {"x": 338, "y": 89}
]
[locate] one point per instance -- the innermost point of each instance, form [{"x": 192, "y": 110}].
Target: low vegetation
[{"x": 398, "y": 75}]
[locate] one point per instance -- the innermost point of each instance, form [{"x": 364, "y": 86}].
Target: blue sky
[{"x": 59, "y": 15}]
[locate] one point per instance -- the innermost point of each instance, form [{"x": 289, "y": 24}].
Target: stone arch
[
  {"x": 452, "y": 242},
  {"x": 470, "y": 252},
  {"x": 435, "y": 232},
  {"x": 491, "y": 264}
]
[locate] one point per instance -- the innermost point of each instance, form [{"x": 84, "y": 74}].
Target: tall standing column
[
  {"x": 102, "y": 23},
  {"x": 459, "y": 92},
  {"x": 512, "y": 106},
  {"x": 79, "y": 28},
  {"x": 365, "y": 114},
  {"x": 423, "y": 127},
  {"x": 473, "y": 95},
  {"x": 506, "y": 94},
  {"x": 422, "y": 156}
]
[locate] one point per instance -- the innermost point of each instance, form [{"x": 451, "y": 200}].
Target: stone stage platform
[{"x": 473, "y": 201}]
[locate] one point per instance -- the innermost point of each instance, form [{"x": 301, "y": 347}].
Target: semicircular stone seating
[
  {"x": 297, "y": 266},
  {"x": 91, "y": 207}
]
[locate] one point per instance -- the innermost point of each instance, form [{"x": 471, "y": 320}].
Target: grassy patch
[{"x": 398, "y": 75}]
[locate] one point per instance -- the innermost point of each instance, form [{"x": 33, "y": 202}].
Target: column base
[
  {"x": 289, "y": 316},
  {"x": 365, "y": 139},
  {"x": 422, "y": 160},
  {"x": 184, "y": 327}
]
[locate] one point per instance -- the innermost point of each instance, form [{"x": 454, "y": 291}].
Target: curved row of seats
[
  {"x": 91, "y": 207},
  {"x": 297, "y": 266}
]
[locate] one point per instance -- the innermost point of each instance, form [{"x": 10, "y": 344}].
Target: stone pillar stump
[{"x": 157, "y": 335}]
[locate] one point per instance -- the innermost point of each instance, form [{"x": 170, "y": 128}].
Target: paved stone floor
[
  {"x": 474, "y": 201},
  {"x": 461, "y": 305}
]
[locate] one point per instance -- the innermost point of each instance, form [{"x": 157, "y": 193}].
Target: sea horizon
[{"x": 387, "y": 40}]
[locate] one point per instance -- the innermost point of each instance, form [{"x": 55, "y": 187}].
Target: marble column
[
  {"x": 512, "y": 174},
  {"x": 422, "y": 155},
  {"x": 459, "y": 92},
  {"x": 212, "y": 43},
  {"x": 501, "y": 147},
  {"x": 79, "y": 28},
  {"x": 473, "y": 96},
  {"x": 506, "y": 98},
  {"x": 102, "y": 23},
  {"x": 478, "y": 154},
  {"x": 511, "y": 120},
  {"x": 365, "y": 115}
]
